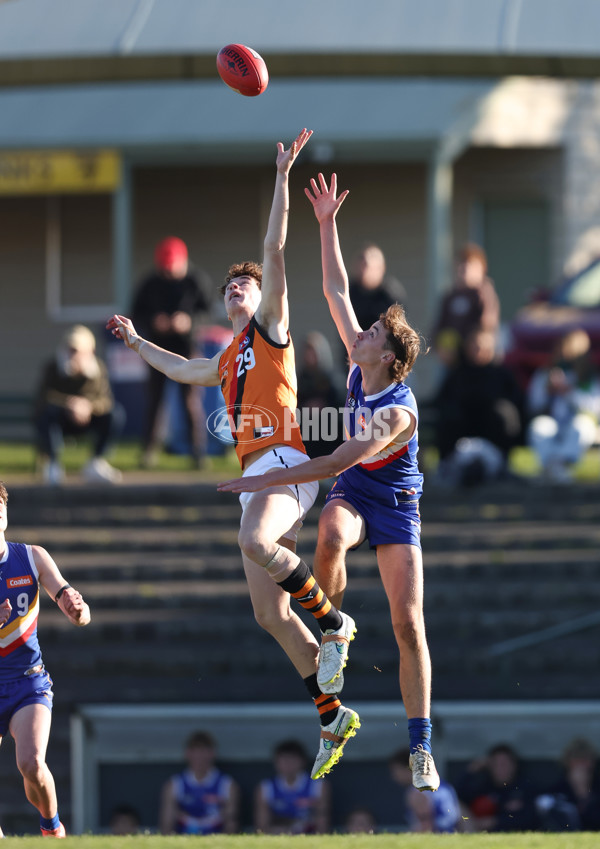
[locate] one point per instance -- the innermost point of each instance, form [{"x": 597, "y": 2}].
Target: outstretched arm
[
  {"x": 273, "y": 310},
  {"x": 386, "y": 425},
  {"x": 70, "y": 600},
  {"x": 199, "y": 371},
  {"x": 335, "y": 279}
]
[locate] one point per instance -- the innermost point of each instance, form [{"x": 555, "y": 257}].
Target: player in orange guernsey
[
  {"x": 376, "y": 495},
  {"x": 257, "y": 377}
]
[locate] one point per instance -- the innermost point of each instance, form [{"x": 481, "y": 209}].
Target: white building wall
[{"x": 582, "y": 176}]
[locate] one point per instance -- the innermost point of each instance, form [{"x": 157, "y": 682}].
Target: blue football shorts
[
  {"x": 385, "y": 523},
  {"x": 28, "y": 690}
]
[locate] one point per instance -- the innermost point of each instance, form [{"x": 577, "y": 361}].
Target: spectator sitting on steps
[
  {"x": 573, "y": 804},
  {"x": 497, "y": 793},
  {"x": 74, "y": 398},
  {"x": 479, "y": 411},
  {"x": 564, "y": 402}
]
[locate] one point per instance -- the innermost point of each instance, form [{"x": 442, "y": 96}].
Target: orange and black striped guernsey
[{"x": 258, "y": 382}]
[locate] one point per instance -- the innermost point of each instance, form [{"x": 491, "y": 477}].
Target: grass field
[
  {"x": 532, "y": 840},
  {"x": 19, "y": 459}
]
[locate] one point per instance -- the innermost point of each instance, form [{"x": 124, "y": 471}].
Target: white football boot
[
  {"x": 333, "y": 739},
  {"x": 333, "y": 655},
  {"x": 425, "y": 775}
]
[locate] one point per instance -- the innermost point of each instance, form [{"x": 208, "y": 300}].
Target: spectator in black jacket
[
  {"x": 573, "y": 804},
  {"x": 479, "y": 400},
  {"x": 164, "y": 309},
  {"x": 372, "y": 290},
  {"x": 497, "y": 793}
]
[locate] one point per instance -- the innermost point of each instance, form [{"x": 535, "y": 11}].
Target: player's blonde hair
[
  {"x": 402, "y": 339},
  {"x": 3, "y": 493},
  {"x": 238, "y": 269}
]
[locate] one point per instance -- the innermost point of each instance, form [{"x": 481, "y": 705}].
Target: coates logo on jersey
[
  {"x": 21, "y": 581},
  {"x": 249, "y": 423}
]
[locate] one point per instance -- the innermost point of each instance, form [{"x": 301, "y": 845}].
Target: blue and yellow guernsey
[
  {"x": 19, "y": 583},
  {"x": 394, "y": 470}
]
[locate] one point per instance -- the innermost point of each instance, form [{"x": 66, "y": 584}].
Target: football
[{"x": 242, "y": 69}]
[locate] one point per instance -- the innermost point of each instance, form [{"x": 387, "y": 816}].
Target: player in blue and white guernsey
[
  {"x": 25, "y": 686},
  {"x": 290, "y": 802},
  {"x": 376, "y": 496},
  {"x": 201, "y": 799},
  {"x": 390, "y": 476}
]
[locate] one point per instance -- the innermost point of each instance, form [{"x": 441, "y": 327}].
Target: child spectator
[
  {"x": 291, "y": 802},
  {"x": 201, "y": 799}
]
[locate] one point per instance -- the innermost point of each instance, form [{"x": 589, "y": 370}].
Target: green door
[{"x": 516, "y": 237}]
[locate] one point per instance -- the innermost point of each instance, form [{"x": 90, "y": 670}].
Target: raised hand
[
  {"x": 323, "y": 199},
  {"x": 122, "y": 327},
  {"x": 285, "y": 158}
]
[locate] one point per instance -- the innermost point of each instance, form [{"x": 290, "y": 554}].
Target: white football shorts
[{"x": 283, "y": 456}]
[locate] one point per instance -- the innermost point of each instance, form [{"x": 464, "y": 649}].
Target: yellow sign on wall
[{"x": 54, "y": 172}]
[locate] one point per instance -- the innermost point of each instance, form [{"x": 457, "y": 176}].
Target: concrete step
[
  {"x": 184, "y": 501},
  {"x": 519, "y": 564},
  {"x": 172, "y": 621}
]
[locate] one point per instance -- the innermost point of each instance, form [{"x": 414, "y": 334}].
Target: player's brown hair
[
  {"x": 579, "y": 749},
  {"x": 200, "y": 739},
  {"x": 238, "y": 269},
  {"x": 290, "y": 747},
  {"x": 400, "y": 757},
  {"x": 402, "y": 339},
  {"x": 3, "y": 493}
]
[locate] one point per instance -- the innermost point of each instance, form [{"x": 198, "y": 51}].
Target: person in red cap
[{"x": 165, "y": 305}]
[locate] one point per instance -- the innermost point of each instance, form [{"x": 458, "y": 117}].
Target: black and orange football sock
[
  {"x": 326, "y": 705},
  {"x": 303, "y": 587}
]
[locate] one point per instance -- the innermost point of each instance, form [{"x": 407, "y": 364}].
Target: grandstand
[{"x": 160, "y": 568}]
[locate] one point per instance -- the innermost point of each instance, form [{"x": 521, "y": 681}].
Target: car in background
[{"x": 536, "y": 328}]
